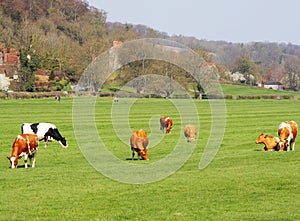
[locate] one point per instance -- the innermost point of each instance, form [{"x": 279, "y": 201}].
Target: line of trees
[
  {"x": 287, "y": 72},
  {"x": 59, "y": 35},
  {"x": 67, "y": 35},
  {"x": 266, "y": 61}
]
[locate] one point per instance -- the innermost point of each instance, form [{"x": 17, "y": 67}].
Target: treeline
[
  {"x": 67, "y": 35},
  {"x": 58, "y": 35},
  {"x": 266, "y": 61}
]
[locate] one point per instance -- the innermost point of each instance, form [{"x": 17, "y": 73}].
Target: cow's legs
[
  {"x": 288, "y": 144},
  {"x": 292, "y": 145},
  {"x": 163, "y": 129},
  {"x": 12, "y": 160},
  {"x": 25, "y": 160},
  {"x": 132, "y": 154},
  {"x": 32, "y": 160},
  {"x": 46, "y": 142}
]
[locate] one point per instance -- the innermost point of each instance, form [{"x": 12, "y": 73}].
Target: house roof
[{"x": 273, "y": 83}]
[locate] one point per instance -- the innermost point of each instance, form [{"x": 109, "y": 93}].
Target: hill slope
[{"x": 68, "y": 35}]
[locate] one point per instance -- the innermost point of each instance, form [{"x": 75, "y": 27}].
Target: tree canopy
[{"x": 68, "y": 35}]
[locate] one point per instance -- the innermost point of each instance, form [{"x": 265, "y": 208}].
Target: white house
[{"x": 275, "y": 85}]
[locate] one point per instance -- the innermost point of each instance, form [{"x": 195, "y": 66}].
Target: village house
[
  {"x": 42, "y": 78},
  {"x": 9, "y": 57},
  {"x": 275, "y": 85},
  {"x": 10, "y": 64}
]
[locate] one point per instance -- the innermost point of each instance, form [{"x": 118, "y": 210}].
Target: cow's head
[
  {"x": 170, "y": 124},
  {"x": 192, "y": 138},
  {"x": 283, "y": 145},
  {"x": 63, "y": 143},
  {"x": 143, "y": 154},
  {"x": 13, "y": 161},
  {"x": 260, "y": 138}
]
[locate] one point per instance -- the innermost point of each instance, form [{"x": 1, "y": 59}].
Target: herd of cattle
[
  {"x": 139, "y": 140},
  {"x": 26, "y": 144},
  {"x": 287, "y": 132}
]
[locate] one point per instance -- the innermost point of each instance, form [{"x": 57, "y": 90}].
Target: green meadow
[
  {"x": 241, "y": 183},
  {"x": 236, "y": 90}
]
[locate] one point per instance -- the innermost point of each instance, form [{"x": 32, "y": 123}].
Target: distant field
[
  {"x": 235, "y": 90},
  {"x": 241, "y": 183},
  {"x": 242, "y": 90}
]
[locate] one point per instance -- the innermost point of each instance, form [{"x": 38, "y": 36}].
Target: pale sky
[{"x": 230, "y": 20}]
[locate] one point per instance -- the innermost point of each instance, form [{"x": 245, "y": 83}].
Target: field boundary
[{"x": 29, "y": 95}]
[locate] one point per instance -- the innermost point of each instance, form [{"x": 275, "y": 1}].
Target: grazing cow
[
  {"x": 270, "y": 142},
  {"x": 57, "y": 98},
  {"x": 44, "y": 131},
  {"x": 287, "y": 132},
  {"x": 166, "y": 122},
  {"x": 24, "y": 145},
  {"x": 139, "y": 143},
  {"x": 190, "y": 133}
]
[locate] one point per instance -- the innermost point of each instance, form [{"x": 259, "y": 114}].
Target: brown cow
[
  {"x": 270, "y": 142},
  {"x": 287, "y": 132},
  {"x": 24, "y": 145},
  {"x": 139, "y": 143},
  {"x": 190, "y": 133},
  {"x": 166, "y": 122}
]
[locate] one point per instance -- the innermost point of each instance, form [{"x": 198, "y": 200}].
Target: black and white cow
[{"x": 45, "y": 131}]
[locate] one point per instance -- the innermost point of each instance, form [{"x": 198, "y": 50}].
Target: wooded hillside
[{"x": 65, "y": 36}]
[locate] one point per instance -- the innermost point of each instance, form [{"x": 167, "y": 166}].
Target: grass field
[
  {"x": 241, "y": 183},
  {"x": 236, "y": 90}
]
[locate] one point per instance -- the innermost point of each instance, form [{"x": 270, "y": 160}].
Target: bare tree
[{"x": 292, "y": 71}]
